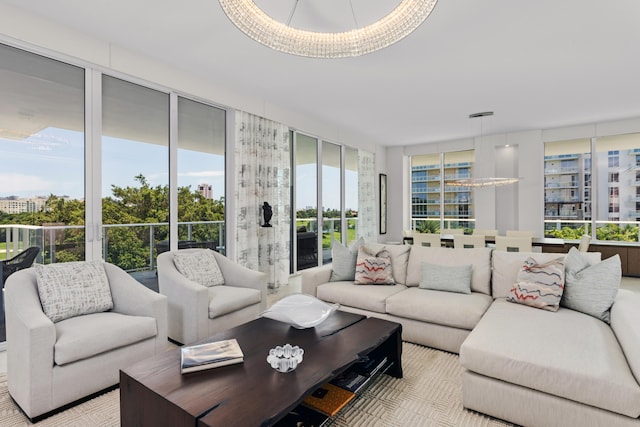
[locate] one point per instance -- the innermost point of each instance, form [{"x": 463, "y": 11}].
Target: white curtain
[
  {"x": 263, "y": 167},
  {"x": 367, "y": 218}
]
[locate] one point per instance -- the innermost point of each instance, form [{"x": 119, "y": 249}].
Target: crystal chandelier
[{"x": 255, "y": 23}]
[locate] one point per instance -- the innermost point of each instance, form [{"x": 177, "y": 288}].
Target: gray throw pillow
[
  {"x": 591, "y": 289},
  {"x": 72, "y": 289},
  {"x": 343, "y": 260},
  {"x": 449, "y": 278},
  {"x": 200, "y": 266}
]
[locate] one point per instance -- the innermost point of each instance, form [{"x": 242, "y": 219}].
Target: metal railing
[{"x": 64, "y": 242}]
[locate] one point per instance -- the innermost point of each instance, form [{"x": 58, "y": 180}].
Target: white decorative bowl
[
  {"x": 300, "y": 311},
  {"x": 285, "y": 358}
]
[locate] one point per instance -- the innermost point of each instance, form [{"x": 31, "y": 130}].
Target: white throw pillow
[
  {"x": 72, "y": 289},
  {"x": 449, "y": 278},
  {"x": 200, "y": 266}
]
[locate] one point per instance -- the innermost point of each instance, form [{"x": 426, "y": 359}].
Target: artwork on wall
[{"x": 383, "y": 203}]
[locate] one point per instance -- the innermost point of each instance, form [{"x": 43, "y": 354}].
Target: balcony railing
[{"x": 67, "y": 242}]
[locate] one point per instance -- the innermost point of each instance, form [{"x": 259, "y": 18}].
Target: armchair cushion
[
  {"x": 199, "y": 266},
  {"x": 73, "y": 289},
  {"x": 227, "y": 299},
  {"x": 82, "y": 337}
]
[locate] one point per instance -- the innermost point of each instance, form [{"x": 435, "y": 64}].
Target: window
[
  {"x": 201, "y": 174},
  {"x": 306, "y": 191},
  {"x": 567, "y": 192},
  {"x": 433, "y": 202},
  {"x": 135, "y": 178},
  {"x": 614, "y": 159},
  {"x": 613, "y": 177}
]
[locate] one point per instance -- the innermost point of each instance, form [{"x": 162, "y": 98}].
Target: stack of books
[
  {"x": 210, "y": 355},
  {"x": 325, "y": 402}
]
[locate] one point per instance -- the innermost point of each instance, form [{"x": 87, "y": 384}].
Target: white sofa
[{"x": 522, "y": 364}]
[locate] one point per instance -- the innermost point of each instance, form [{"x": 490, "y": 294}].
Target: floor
[{"x": 294, "y": 287}]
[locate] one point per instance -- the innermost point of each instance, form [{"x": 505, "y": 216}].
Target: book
[
  {"x": 210, "y": 355},
  {"x": 303, "y": 416},
  {"x": 369, "y": 366},
  {"x": 350, "y": 380},
  {"x": 328, "y": 399}
]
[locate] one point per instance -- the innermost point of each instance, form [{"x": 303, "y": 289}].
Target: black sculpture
[{"x": 267, "y": 212}]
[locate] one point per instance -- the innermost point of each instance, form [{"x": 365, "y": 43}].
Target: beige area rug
[{"x": 429, "y": 395}]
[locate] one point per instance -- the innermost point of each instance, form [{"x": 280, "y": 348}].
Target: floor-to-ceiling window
[
  {"x": 331, "y": 198},
  {"x": 135, "y": 178},
  {"x": 435, "y": 204},
  {"x": 306, "y": 200},
  {"x": 592, "y": 186},
  {"x": 42, "y": 141},
  {"x": 201, "y": 175}
]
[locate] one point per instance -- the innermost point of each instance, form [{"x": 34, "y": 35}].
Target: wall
[{"x": 527, "y": 161}]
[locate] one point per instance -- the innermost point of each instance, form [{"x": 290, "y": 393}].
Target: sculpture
[{"x": 267, "y": 213}]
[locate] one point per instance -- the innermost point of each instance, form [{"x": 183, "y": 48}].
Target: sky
[{"x": 52, "y": 162}]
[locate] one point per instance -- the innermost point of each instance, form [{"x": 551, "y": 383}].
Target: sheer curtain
[
  {"x": 263, "y": 167},
  {"x": 366, "y": 196}
]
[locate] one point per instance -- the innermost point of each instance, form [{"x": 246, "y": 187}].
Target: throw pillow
[
  {"x": 539, "y": 285},
  {"x": 200, "y": 266},
  {"x": 72, "y": 289},
  {"x": 343, "y": 260},
  {"x": 373, "y": 268},
  {"x": 450, "y": 278},
  {"x": 591, "y": 289}
]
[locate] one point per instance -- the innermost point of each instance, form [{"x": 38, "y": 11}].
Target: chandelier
[
  {"x": 399, "y": 23},
  {"x": 481, "y": 182}
]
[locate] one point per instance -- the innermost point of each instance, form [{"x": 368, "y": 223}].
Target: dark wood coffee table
[{"x": 153, "y": 392}]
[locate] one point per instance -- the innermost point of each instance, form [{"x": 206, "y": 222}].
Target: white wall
[{"x": 527, "y": 161}]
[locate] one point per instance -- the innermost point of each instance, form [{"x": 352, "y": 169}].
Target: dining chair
[
  {"x": 487, "y": 233},
  {"x": 427, "y": 239},
  {"x": 461, "y": 241},
  {"x": 513, "y": 244},
  {"x": 520, "y": 233}
]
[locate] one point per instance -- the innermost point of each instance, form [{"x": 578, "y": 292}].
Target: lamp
[
  {"x": 482, "y": 182},
  {"x": 255, "y": 23}
]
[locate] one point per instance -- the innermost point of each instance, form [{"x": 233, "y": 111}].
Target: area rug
[{"x": 430, "y": 394}]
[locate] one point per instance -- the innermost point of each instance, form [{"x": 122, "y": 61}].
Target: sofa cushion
[
  {"x": 443, "y": 308},
  {"x": 539, "y": 285},
  {"x": 227, "y": 299},
  {"x": 373, "y": 267},
  {"x": 365, "y": 297},
  {"x": 71, "y": 289},
  {"x": 506, "y": 265},
  {"x": 591, "y": 287},
  {"x": 625, "y": 323},
  {"x": 200, "y": 266},
  {"x": 86, "y": 336},
  {"x": 566, "y": 353},
  {"x": 399, "y": 259},
  {"x": 343, "y": 260},
  {"x": 449, "y": 278},
  {"x": 479, "y": 258}
]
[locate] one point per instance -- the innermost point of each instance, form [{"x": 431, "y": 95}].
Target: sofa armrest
[
  {"x": 31, "y": 337},
  {"x": 314, "y": 277},
  {"x": 239, "y": 276},
  {"x": 625, "y": 322},
  {"x": 133, "y": 298}
]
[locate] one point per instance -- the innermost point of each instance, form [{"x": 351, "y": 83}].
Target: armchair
[
  {"x": 197, "y": 311},
  {"x": 50, "y": 365}
]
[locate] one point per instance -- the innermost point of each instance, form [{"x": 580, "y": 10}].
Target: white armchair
[
  {"x": 50, "y": 365},
  {"x": 196, "y": 311}
]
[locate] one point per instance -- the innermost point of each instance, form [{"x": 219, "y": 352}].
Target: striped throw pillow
[
  {"x": 373, "y": 268},
  {"x": 539, "y": 285}
]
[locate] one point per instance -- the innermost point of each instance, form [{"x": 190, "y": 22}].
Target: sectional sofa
[{"x": 522, "y": 364}]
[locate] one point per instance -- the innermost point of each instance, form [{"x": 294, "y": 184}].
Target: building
[
  {"x": 20, "y": 205},
  {"x": 206, "y": 190}
]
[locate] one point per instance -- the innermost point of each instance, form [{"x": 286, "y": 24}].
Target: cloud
[{"x": 14, "y": 183}]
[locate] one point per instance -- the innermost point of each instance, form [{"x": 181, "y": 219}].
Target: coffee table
[{"x": 153, "y": 392}]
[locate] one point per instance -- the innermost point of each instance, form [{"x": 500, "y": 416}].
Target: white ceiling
[{"x": 536, "y": 64}]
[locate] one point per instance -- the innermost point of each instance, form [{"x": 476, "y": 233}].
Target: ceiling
[{"x": 537, "y": 64}]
